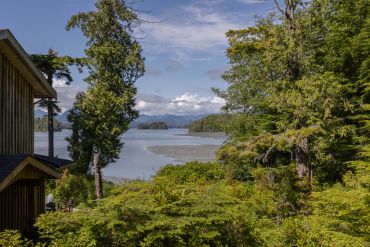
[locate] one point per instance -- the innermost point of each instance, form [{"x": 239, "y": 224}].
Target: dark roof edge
[
  {"x": 57, "y": 163},
  {"x": 5, "y": 34},
  {"x": 29, "y": 160}
]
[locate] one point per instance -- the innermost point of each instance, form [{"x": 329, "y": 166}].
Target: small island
[{"x": 153, "y": 125}]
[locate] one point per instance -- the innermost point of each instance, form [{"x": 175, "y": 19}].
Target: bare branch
[{"x": 279, "y": 7}]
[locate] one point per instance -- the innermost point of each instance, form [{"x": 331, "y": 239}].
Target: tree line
[
  {"x": 41, "y": 124},
  {"x": 211, "y": 123},
  {"x": 153, "y": 125}
]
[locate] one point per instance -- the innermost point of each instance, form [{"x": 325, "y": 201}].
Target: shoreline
[
  {"x": 185, "y": 153},
  {"x": 206, "y": 134}
]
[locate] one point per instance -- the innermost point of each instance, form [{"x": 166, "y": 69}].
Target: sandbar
[{"x": 184, "y": 153}]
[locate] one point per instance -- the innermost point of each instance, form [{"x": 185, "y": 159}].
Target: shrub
[
  {"x": 72, "y": 187},
  {"x": 14, "y": 238}
]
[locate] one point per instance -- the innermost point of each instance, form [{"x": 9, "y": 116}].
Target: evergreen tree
[
  {"x": 54, "y": 67},
  {"x": 290, "y": 81},
  {"x": 104, "y": 112}
]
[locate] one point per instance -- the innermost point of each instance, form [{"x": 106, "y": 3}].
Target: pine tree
[{"x": 54, "y": 67}]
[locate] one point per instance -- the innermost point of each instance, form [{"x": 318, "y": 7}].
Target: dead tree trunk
[{"x": 98, "y": 176}]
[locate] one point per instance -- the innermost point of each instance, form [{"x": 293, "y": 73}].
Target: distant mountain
[
  {"x": 63, "y": 117},
  {"x": 172, "y": 121},
  {"x": 40, "y": 113}
]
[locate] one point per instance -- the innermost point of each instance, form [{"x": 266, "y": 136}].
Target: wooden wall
[
  {"x": 20, "y": 204},
  {"x": 16, "y": 110}
]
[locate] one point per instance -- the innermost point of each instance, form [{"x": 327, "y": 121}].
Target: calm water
[{"x": 135, "y": 160}]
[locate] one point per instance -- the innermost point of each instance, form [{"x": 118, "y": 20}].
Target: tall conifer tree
[
  {"x": 106, "y": 109},
  {"x": 54, "y": 67}
]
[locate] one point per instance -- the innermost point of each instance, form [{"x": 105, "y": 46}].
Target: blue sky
[{"x": 184, "y": 44}]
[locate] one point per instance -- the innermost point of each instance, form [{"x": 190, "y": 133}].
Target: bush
[
  {"x": 187, "y": 205},
  {"x": 14, "y": 238},
  {"x": 72, "y": 187},
  {"x": 191, "y": 172}
]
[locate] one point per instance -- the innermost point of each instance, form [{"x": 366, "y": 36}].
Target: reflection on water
[{"x": 135, "y": 160}]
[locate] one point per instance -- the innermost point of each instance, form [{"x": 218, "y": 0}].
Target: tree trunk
[
  {"x": 50, "y": 118},
  {"x": 51, "y": 128},
  {"x": 302, "y": 162},
  {"x": 98, "y": 177},
  {"x": 289, "y": 12}
]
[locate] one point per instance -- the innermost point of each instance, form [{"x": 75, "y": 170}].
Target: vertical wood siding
[
  {"x": 16, "y": 110},
  {"x": 20, "y": 204}
]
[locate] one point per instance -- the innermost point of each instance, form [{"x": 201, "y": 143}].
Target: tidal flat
[{"x": 186, "y": 152}]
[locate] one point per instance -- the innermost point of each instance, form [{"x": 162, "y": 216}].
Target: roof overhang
[
  {"x": 29, "y": 161},
  {"x": 57, "y": 164},
  {"x": 10, "y": 46}
]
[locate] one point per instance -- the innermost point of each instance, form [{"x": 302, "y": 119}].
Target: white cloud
[
  {"x": 199, "y": 27},
  {"x": 59, "y": 83},
  {"x": 66, "y": 96},
  {"x": 66, "y": 93},
  {"x": 185, "y": 104}
]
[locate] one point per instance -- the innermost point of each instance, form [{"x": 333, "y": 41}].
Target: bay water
[{"x": 135, "y": 161}]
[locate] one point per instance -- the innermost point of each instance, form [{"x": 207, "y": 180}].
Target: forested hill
[
  {"x": 41, "y": 124},
  {"x": 172, "y": 121},
  {"x": 211, "y": 123},
  {"x": 61, "y": 118},
  {"x": 153, "y": 125}
]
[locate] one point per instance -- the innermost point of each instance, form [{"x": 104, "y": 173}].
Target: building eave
[
  {"x": 47, "y": 90},
  {"x": 29, "y": 160}
]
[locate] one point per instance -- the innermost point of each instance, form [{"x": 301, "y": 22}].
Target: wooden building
[{"x": 22, "y": 173}]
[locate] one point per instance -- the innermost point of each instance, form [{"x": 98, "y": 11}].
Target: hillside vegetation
[
  {"x": 153, "y": 125},
  {"x": 201, "y": 204},
  {"x": 211, "y": 123},
  {"x": 41, "y": 124}
]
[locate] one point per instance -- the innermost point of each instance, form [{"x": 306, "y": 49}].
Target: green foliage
[
  {"x": 297, "y": 99},
  {"x": 41, "y": 124},
  {"x": 153, "y": 125},
  {"x": 211, "y": 123},
  {"x": 191, "y": 172},
  {"x": 73, "y": 188},
  {"x": 80, "y": 142},
  {"x": 55, "y": 67},
  {"x": 76, "y": 188},
  {"x": 340, "y": 215},
  {"x": 14, "y": 238},
  {"x": 102, "y": 114},
  {"x": 175, "y": 209},
  {"x": 198, "y": 205}
]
